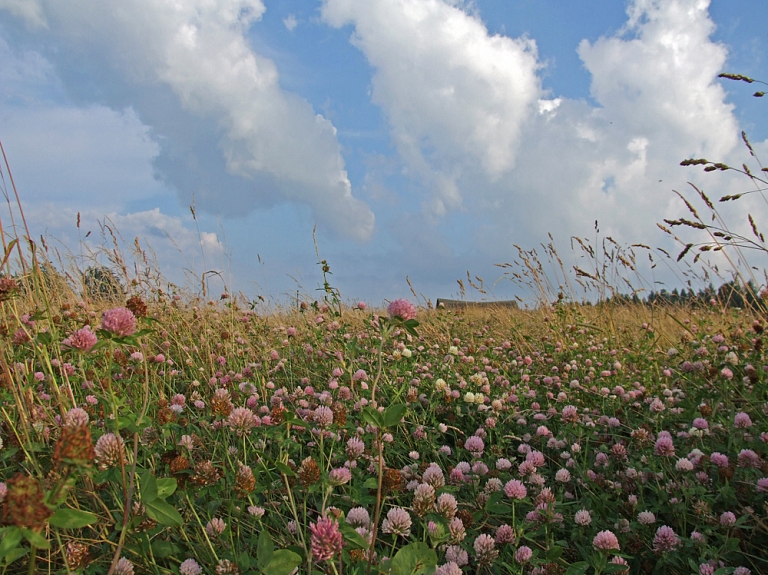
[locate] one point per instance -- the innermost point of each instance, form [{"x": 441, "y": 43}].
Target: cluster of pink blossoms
[
  {"x": 119, "y": 321},
  {"x": 401, "y": 308}
]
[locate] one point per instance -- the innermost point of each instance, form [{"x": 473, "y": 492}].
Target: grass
[
  {"x": 144, "y": 429},
  {"x": 234, "y": 426}
]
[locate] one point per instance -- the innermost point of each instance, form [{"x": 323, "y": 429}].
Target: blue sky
[{"x": 424, "y": 139}]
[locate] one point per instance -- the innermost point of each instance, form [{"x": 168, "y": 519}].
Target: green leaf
[
  {"x": 66, "y": 518},
  {"x": 373, "y": 417},
  {"x": 148, "y": 487},
  {"x": 725, "y": 571},
  {"x": 36, "y": 539},
  {"x": 414, "y": 559},
  {"x": 264, "y": 550},
  {"x": 283, "y": 468},
  {"x": 163, "y": 513},
  {"x": 244, "y": 560},
  {"x": 371, "y": 483},
  {"x": 498, "y": 509},
  {"x": 554, "y": 553},
  {"x": 165, "y": 549},
  {"x": 578, "y": 568},
  {"x": 8, "y": 453},
  {"x": 352, "y": 537},
  {"x": 283, "y": 563},
  {"x": 614, "y": 568},
  {"x": 10, "y": 537},
  {"x": 14, "y": 554},
  {"x": 166, "y": 486},
  {"x": 44, "y": 338},
  {"x": 394, "y": 414}
]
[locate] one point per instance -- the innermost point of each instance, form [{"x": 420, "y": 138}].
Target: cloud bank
[
  {"x": 228, "y": 133},
  {"x": 468, "y": 114}
]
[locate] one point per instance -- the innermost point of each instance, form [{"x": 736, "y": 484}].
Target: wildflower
[
  {"x": 582, "y": 517},
  {"x": 326, "y": 538},
  {"x": 762, "y": 484},
  {"x": 684, "y": 464},
  {"x": 456, "y": 530},
  {"x": 742, "y": 571},
  {"x": 24, "y": 506},
  {"x": 340, "y": 476},
  {"x": 657, "y": 406},
  {"x": 74, "y": 446},
  {"x": 245, "y": 482},
  {"x": 241, "y": 420},
  {"x": 355, "y": 448},
  {"x": 536, "y": 458},
  {"x": 646, "y": 518},
  {"x": 76, "y": 417},
  {"x": 119, "y": 321},
  {"x": 505, "y": 534},
  {"x": 455, "y": 554},
  {"x": 748, "y": 458},
  {"x": 110, "y": 451},
  {"x": 450, "y": 568},
  {"x": 401, "y": 308},
  {"x": 700, "y": 423},
  {"x": 606, "y": 540},
  {"x": 433, "y": 475},
  {"x": 215, "y": 527},
  {"x": 77, "y": 554},
  {"x": 570, "y": 413},
  {"x": 727, "y": 519},
  {"x": 190, "y": 567},
  {"x": 718, "y": 459},
  {"x": 523, "y": 554},
  {"x": 82, "y": 339},
  {"x": 123, "y": 567},
  {"x": 256, "y": 511},
  {"x": 446, "y": 505},
  {"x": 664, "y": 446},
  {"x": 398, "y": 522},
  {"x": 309, "y": 471},
  {"x": 475, "y": 445},
  {"x": 226, "y": 567},
  {"x": 742, "y": 420},
  {"x": 360, "y": 375},
  {"x": 515, "y": 489},
  {"x": 563, "y": 475},
  {"x": 665, "y": 539},
  {"x": 485, "y": 549},
  {"x": 359, "y": 517},
  {"x": 187, "y": 442},
  {"x": 8, "y": 288},
  {"x": 323, "y": 416}
]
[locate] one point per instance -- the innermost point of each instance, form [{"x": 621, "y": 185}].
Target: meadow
[
  {"x": 184, "y": 436},
  {"x": 148, "y": 429}
]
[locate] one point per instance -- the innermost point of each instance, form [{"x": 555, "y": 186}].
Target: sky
[{"x": 410, "y": 143}]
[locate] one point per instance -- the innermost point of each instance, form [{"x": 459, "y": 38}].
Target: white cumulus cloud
[
  {"x": 229, "y": 134},
  {"x": 467, "y": 112},
  {"x": 454, "y": 95}
]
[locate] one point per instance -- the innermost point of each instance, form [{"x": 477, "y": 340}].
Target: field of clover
[{"x": 167, "y": 434}]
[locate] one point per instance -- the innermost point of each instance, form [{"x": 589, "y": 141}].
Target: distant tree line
[{"x": 732, "y": 294}]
